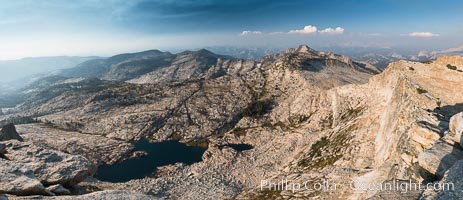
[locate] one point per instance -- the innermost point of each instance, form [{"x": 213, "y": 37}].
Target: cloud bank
[
  {"x": 337, "y": 30},
  {"x": 310, "y": 29},
  {"x": 244, "y": 33},
  {"x": 423, "y": 34},
  {"x": 306, "y": 30}
]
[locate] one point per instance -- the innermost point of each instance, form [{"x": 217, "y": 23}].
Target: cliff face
[
  {"x": 391, "y": 128},
  {"x": 310, "y": 116}
]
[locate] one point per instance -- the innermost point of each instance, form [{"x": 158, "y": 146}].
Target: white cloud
[
  {"x": 337, "y": 30},
  {"x": 307, "y": 30},
  {"x": 244, "y": 33},
  {"x": 423, "y": 34}
]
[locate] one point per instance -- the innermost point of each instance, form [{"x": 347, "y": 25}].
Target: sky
[{"x": 32, "y": 28}]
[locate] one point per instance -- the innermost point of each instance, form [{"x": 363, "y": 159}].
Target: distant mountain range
[
  {"x": 14, "y": 69},
  {"x": 243, "y": 52},
  {"x": 435, "y": 54},
  {"x": 377, "y": 56},
  {"x": 124, "y": 67},
  {"x": 155, "y": 65},
  {"x": 18, "y": 73}
]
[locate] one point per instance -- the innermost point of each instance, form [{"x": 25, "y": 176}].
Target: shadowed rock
[
  {"x": 8, "y": 132},
  {"x": 452, "y": 186},
  {"x": 440, "y": 157},
  {"x": 2, "y": 149}
]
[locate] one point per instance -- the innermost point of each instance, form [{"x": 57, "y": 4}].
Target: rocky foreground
[{"x": 310, "y": 116}]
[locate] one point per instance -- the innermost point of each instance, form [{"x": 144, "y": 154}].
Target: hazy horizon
[{"x": 103, "y": 28}]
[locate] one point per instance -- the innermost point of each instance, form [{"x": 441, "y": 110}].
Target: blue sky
[{"x": 105, "y": 27}]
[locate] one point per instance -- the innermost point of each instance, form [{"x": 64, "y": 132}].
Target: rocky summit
[{"x": 298, "y": 124}]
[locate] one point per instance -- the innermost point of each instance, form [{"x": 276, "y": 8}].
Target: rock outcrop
[
  {"x": 439, "y": 158},
  {"x": 9, "y": 132},
  {"x": 456, "y": 128},
  {"x": 58, "y": 190},
  {"x": 48, "y": 165},
  {"x": 18, "y": 179},
  {"x": 3, "y": 149},
  {"x": 98, "y": 149}
]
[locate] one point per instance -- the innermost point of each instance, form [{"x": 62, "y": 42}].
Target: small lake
[
  {"x": 239, "y": 147},
  {"x": 159, "y": 154}
]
